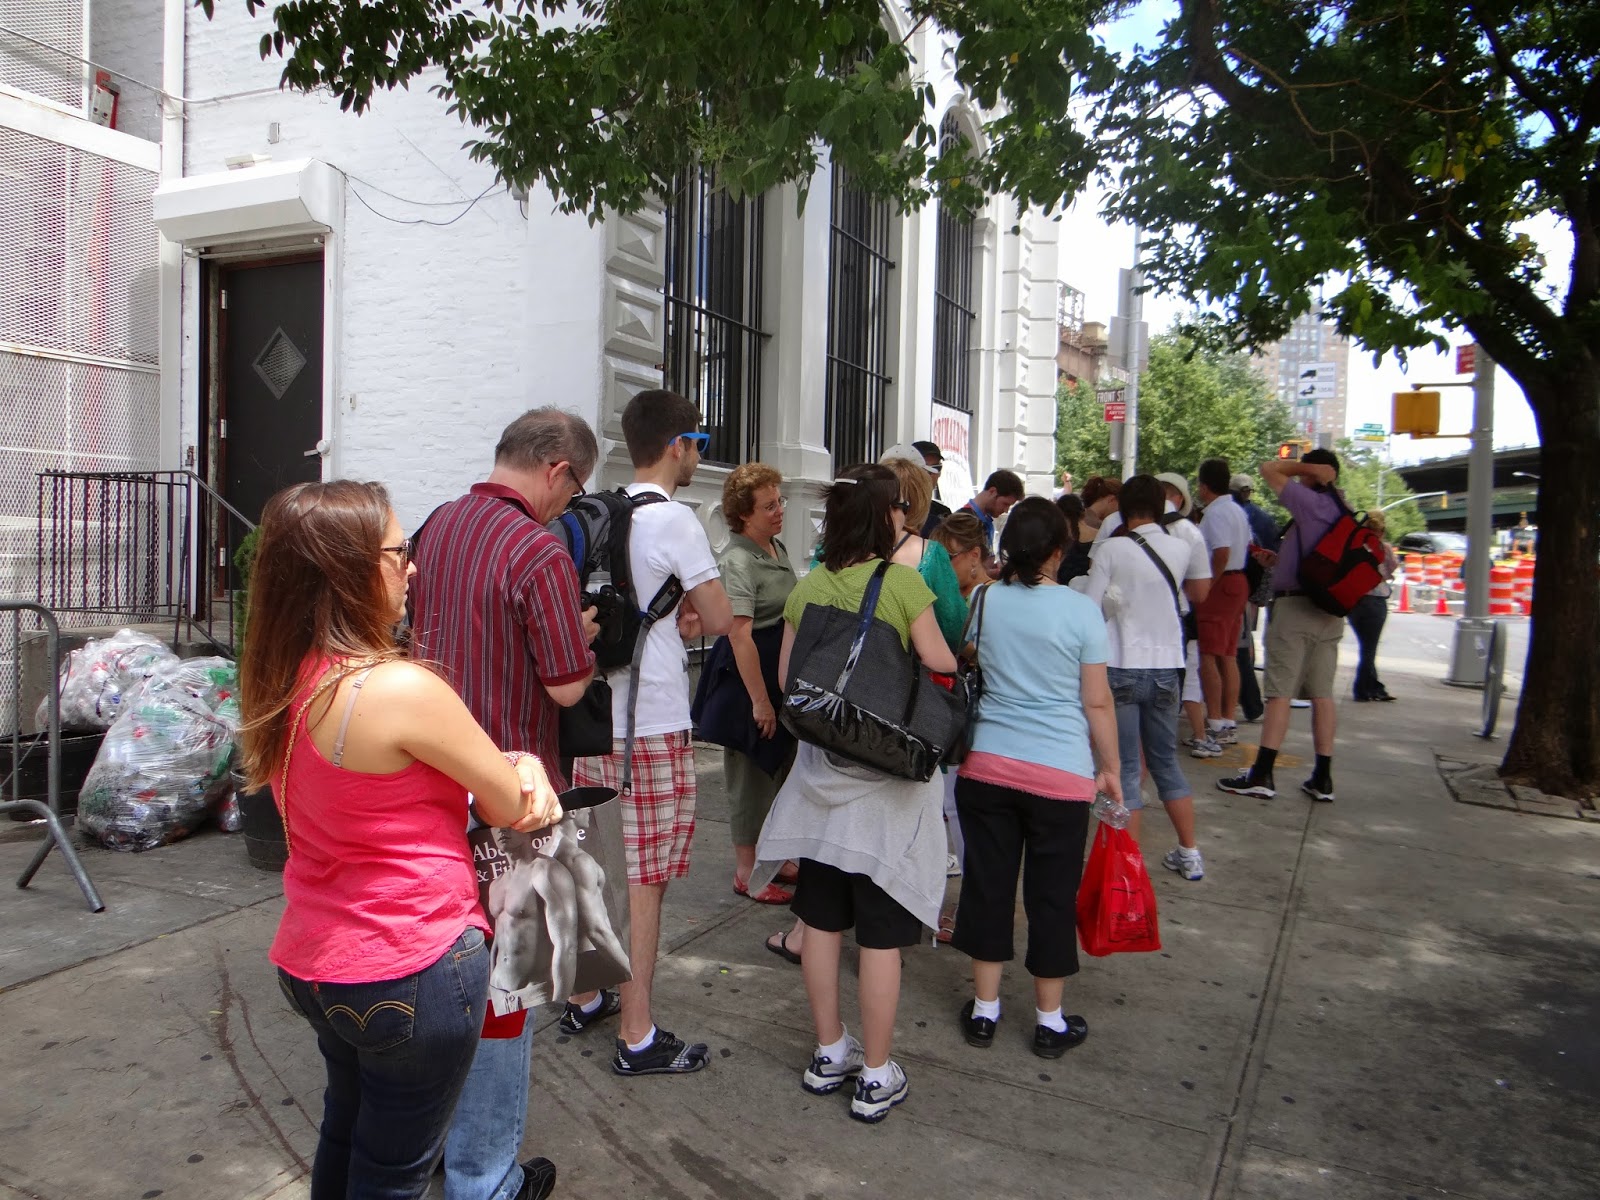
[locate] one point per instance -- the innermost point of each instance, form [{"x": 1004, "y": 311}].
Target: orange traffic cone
[
  {"x": 1442, "y": 609},
  {"x": 1405, "y": 595}
]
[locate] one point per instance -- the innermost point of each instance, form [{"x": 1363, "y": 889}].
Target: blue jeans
[
  {"x": 480, "y": 1155},
  {"x": 397, "y": 1052},
  {"x": 1147, "y": 717}
]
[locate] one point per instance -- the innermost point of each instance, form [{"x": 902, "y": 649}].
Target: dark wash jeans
[
  {"x": 397, "y": 1052},
  {"x": 1367, "y": 619}
]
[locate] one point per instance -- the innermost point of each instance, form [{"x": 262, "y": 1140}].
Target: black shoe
[
  {"x": 1047, "y": 1043},
  {"x": 1364, "y": 699},
  {"x": 575, "y": 1020},
  {"x": 1382, "y": 696},
  {"x": 665, "y": 1055},
  {"x": 1318, "y": 789},
  {"x": 1248, "y": 784},
  {"x": 538, "y": 1179},
  {"x": 979, "y": 1031}
]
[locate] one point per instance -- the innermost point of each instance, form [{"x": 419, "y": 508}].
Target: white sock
[
  {"x": 1188, "y": 851},
  {"x": 836, "y": 1051},
  {"x": 1215, "y": 726},
  {"x": 1052, "y": 1019},
  {"x": 989, "y": 1010},
  {"x": 881, "y": 1074},
  {"x": 593, "y": 1005},
  {"x": 648, "y": 1038}
]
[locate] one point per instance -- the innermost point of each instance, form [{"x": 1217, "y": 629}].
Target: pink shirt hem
[{"x": 1040, "y": 780}]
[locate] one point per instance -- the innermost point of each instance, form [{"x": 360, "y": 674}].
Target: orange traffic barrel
[
  {"x": 1502, "y": 592},
  {"x": 1522, "y": 591}
]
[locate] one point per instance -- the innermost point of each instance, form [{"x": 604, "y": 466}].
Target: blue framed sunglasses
[{"x": 701, "y": 440}]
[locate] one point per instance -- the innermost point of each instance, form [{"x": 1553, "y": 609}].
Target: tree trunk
[{"x": 1555, "y": 746}]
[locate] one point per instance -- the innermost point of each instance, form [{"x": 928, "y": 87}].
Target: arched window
[
  {"x": 713, "y": 311},
  {"x": 954, "y": 314},
  {"x": 858, "y": 323}
]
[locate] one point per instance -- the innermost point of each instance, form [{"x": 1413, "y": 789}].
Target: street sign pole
[
  {"x": 1468, "y": 661},
  {"x": 1130, "y": 418}
]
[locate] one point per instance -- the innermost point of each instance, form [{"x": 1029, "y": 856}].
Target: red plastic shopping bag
[{"x": 1116, "y": 904}]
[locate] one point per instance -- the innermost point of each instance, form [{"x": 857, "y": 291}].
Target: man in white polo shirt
[{"x": 1226, "y": 530}]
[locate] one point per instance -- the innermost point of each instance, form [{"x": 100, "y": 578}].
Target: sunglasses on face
[
  {"x": 405, "y": 550},
  {"x": 701, "y": 440},
  {"x": 903, "y": 505}
]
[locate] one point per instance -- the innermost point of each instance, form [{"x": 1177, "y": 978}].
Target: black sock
[
  {"x": 1324, "y": 771},
  {"x": 1265, "y": 758}
]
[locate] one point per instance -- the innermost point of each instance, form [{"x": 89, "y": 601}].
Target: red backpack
[{"x": 1343, "y": 566}]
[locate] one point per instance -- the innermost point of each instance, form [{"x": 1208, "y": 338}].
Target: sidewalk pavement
[{"x": 1392, "y": 996}]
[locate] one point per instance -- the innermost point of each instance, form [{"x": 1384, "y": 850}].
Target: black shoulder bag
[
  {"x": 970, "y": 679},
  {"x": 855, "y": 690}
]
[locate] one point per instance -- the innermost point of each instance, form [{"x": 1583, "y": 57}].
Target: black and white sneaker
[
  {"x": 1247, "y": 785},
  {"x": 665, "y": 1055},
  {"x": 1318, "y": 789},
  {"x": 873, "y": 1101},
  {"x": 824, "y": 1076},
  {"x": 575, "y": 1020}
]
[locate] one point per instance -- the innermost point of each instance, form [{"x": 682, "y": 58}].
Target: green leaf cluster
[{"x": 1195, "y": 402}]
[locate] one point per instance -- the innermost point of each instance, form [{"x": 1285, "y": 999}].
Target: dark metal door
[{"x": 270, "y": 406}]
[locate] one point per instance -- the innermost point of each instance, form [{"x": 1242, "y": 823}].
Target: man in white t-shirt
[
  {"x": 665, "y": 539},
  {"x": 1226, "y": 529},
  {"x": 1135, "y": 580}
]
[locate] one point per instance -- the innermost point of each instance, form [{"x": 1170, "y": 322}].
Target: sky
[{"x": 1092, "y": 252}]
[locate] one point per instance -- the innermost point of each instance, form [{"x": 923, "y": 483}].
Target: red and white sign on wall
[
  {"x": 1466, "y": 359},
  {"x": 952, "y": 433},
  {"x": 1116, "y": 410}
]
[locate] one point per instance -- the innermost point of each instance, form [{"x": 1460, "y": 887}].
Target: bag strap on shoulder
[
  {"x": 667, "y": 597},
  {"x": 1166, "y": 573}
]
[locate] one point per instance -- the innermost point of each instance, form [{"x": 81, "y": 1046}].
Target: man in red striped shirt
[{"x": 497, "y": 606}]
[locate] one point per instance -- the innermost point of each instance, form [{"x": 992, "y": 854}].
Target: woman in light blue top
[{"x": 1045, "y": 738}]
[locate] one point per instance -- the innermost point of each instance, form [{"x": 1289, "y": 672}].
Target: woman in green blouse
[{"x": 758, "y": 578}]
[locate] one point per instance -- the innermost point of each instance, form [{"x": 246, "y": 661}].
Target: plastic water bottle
[{"x": 1110, "y": 812}]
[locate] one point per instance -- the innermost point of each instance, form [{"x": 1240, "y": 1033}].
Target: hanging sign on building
[{"x": 952, "y": 433}]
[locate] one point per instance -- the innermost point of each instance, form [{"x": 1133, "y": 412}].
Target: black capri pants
[{"x": 1007, "y": 830}]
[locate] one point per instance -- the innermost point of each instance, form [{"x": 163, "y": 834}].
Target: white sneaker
[
  {"x": 824, "y": 1076},
  {"x": 1299, "y": 704},
  {"x": 1203, "y": 748},
  {"x": 952, "y": 866},
  {"x": 1186, "y": 863},
  {"x": 872, "y": 1101},
  {"x": 1225, "y": 735}
]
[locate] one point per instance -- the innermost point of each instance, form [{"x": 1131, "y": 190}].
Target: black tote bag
[{"x": 856, "y": 691}]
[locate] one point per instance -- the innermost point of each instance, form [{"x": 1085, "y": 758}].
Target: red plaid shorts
[{"x": 658, "y": 818}]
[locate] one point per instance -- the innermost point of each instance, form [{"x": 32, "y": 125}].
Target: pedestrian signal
[
  {"x": 1416, "y": 413},
  {"x": 1293, "y": 449}
]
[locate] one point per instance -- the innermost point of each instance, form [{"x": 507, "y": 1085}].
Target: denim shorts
[{"x": 1147, "y": 719}]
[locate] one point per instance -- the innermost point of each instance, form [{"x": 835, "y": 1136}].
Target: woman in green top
[
  {"x": 930, "y": 559},
  {"x": 758, "y": 577},
  {"x": 869, "y": 846}
]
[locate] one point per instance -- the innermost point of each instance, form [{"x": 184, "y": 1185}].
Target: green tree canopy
[{"x": 1194, "y": 403}]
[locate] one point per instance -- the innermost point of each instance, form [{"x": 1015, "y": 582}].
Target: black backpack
[{"x": 595, "y": 531}]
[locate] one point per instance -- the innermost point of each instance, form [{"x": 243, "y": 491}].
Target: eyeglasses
[
  {"x": 405, "y": 550},
  {"x": 577, "y": 484},
  {"x": 776, "y": 507},
  {"x": 701, "y": 440},
  {"x": 903, "y": 505}
]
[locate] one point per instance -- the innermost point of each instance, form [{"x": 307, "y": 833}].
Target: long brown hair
[
  {"x": 316, "y": 590},
  {"x": 856, "y": 525}
]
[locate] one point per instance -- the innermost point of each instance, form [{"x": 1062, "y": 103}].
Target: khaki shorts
[{"x": 1302, "y": 650}]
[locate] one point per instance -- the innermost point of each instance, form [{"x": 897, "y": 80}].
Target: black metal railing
[
  {"x": 954, "y": 310},
  {"x": 140, "y": 547},
  {"x": 712, "y": 297},
  {"x": 858, "y": 323}
]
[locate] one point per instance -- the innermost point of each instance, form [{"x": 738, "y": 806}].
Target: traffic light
[{"x": 1292, "y": 449}]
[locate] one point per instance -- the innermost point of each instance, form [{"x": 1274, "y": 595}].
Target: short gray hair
[{"x": 547, "y": 435}]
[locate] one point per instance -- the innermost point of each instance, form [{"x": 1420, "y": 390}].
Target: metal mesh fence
[{"x": 32, "y": 68}]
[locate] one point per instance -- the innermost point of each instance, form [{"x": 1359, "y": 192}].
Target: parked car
[{"x": 1432, "y": 543}]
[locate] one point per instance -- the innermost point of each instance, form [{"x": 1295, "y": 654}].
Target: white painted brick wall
[{"x": 446, "y": 334}]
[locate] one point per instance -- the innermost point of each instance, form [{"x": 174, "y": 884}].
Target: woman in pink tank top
[{"x": 370, "y": 758}]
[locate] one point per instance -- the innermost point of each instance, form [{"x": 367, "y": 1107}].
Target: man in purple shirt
[{"x": 1302, "y": 640}]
